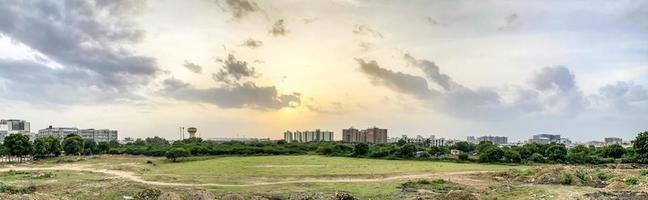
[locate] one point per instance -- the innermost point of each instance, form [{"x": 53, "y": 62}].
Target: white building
[
  {"x": 308, "y": 136},
  {"x": 98, "y": 135},
  {"x": 60, "y": 132},
  {"x": 13, "y": 126}
]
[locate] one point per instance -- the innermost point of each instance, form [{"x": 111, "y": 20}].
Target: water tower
[{"x": 192, "y": 132}]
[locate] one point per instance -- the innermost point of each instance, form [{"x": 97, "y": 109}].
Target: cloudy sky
[{"x": 257, "y": 68}]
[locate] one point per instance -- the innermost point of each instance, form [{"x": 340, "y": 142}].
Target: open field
[{"x": 112, "y": 177}]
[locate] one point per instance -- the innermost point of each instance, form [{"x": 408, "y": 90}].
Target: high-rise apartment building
[
  {"x": 494, "y": 139},
  {"x": 371, "y": 135},
  {"x": 308, "y": 136}
]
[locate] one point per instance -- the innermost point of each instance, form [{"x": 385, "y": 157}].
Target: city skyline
[{"x": 258, "y": 68}]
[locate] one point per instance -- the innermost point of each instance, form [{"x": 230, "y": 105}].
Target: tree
[
  {"x": 512, "y": 155},
  {"x": 18, "y": 145},
  {"x": 103, "y": 147},
  {"x": 556, "y": 153},
  {"x": 483, "y": 145},
  {"x": 360, "y": 149},
  {"x": 401, "y": 142},
  {"x": 55, "y": 145},
  {"x": 89, "y": 147},
  {"x": 640, "y": 146},
  {"x": 463, "y": 146},
  {"x": 73, "y": 144},
  {"x": 614, "y": 151},
  {"x": 156, "y": 140},
  {"x": 177, "y": 152},
  {"x": 407, "y": 151},
  {"x": 41, "y": 147},
  {"x": 491, "y": 154}
]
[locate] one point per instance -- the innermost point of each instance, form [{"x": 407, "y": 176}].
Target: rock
[
  {"x": 230, "y": 197},
  {"x": 148, "y": 194},
  {"x": 169, "y": 196},
  {"x": 343, "y": 196},
  {"x": 204, "y": 195},
  {"x": 459, "y": 195}
]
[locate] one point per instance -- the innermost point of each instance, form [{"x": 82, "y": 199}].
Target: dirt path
[{"x": 453, "y": 176}]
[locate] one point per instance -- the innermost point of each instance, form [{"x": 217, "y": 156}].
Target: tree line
[{"x": 19, "y": 146}]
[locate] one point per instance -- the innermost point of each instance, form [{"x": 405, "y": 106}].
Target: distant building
[
  {"x": 371, "y": 135},
  {"x": 499, "y": 140},
  {"x": 60, "y": 132},
  {"x": 613, "y": 140},
  {"x": 545, "y": 139},
  {"x": 13, "y": 126},
  {"x": 98, "y": 135},
  {"x": 308, "y": 136},
  {"x": 429, "y": 141},
  {"x": 471, "y": 139},
  {"x": 244, "y": 140}
]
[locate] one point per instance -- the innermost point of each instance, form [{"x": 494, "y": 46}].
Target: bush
[
  {"x": 603, "y": 176},
  {"x": 463, "y": 157},
  {"x": 148, "y": 194},
  {"x": 631, "y": 180},
  {"x": 536, "y": 158},
  {"x": 643, "y": 172},
  {"x": 566, "y": 178},
  {"x": 4, "y": 188},
  {"x": 581, "y": 174}
]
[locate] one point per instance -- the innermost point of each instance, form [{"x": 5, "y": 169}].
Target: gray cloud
[
  {"x": 240, "y": 8},
  {"x": 366, "y": 30},
  {"x": 553, "y": 91},
  {"x": 509, "y": 22},
  {"x": 245, "y": 95},
  {"x": 550, "y": 78},
  {"x": 38, "y": 83},
  {"x": 234, "y": 70},
  {"x": 192, "y": 67},
  {"x": 625, "y": 96},
  {"x": 398, "y": 81},
  {"x": 86, "y": 37},
  {"x": 233, "y": 90},
  {"x": 253, "y": 44},
  {"x": 432, "y": 72},
  {"x": 278, "y": 28}
]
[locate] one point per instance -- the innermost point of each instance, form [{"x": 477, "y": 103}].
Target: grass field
[
  {"x": 307, "y": 171},
  {"x": 235, "y": 170}
]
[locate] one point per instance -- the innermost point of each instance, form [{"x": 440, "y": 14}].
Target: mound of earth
[{"x": 617, "y": 195}]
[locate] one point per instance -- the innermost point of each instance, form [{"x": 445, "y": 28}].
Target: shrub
[
  {"x": 566, "y": 178},
  {"x": 148, "y": 194},
  {"x": 4, "y": 188},
  {"x": 643, "y": 172},
  {"x": 603, "y": 176},
  {"x": 537, "y": 158},
  {"x": 463, "y": 157},
  {"x": 581, "y": 174},
  {"x": 631, "y": 180}
]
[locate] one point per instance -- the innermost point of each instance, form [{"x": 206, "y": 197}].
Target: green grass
[{"x": 272, "y": 168}]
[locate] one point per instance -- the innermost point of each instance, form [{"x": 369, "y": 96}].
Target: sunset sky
[{"x": 257, "y": 68}]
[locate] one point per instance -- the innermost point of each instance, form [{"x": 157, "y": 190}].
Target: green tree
[
  {"x": 55, "y": 145},
  {"x": 556, "y": 153},
  {"x": 483, "y": 145},
  {"x": 41, "y": 147},
  {"x": 177, "y": 152},
  {"x": 614, "y": 151},
  {"x": 73, "y": 144},
  {"x": 156, "y": 140},
  {"x": 640, "y": 146},
  {"x": 401, "y": 142},
  {"x": 491, "y": 154},
  {"x": 463, "y": 146},
  {"x": 89, "y": 147},
  {"x": 18, "y": 145},
  {"x": 103, "y": 147},
  {"x": 360, "y": 149},
  {"x": 512, "y": 155},
  {"x": 407, "y": 151}
]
